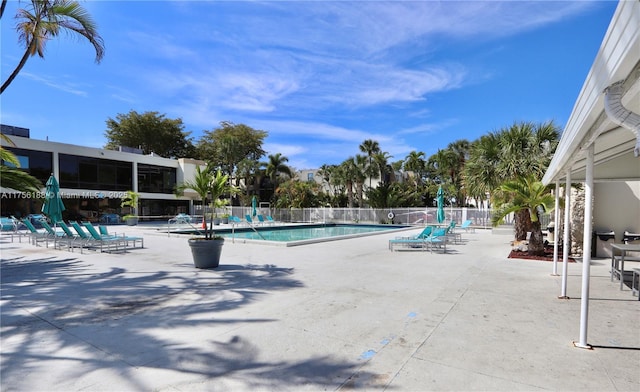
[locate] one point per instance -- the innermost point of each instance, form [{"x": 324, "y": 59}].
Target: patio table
[{"x": 617, "y": 266}]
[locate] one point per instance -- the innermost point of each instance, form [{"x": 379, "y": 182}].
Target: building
[
  {"x": 93, "y": 180},
  {"x": 600, "y": 145}
]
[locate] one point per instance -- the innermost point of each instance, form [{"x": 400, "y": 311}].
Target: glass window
[
  {"x": 309, "y": 176},
  {"x": 93, "y": 173},
  {"x": 156, "y": 179},
  {"x": 39, "y": 164}
]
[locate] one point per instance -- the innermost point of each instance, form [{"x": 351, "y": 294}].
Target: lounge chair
[
  {"x": 104, "y": 244},
  {"x": 438, "y": 239},
  {"x": 53, "y": 234},
  {"x": 451, "y": 233},
  {"x": 417, "y": 241},
  {"x": 36, "y": 236},
  {"x": 262, "y": 220},
  {"x": 105, "y": 232},
  {"x": 466, "y": 225},
  {"x": 235, "y": 220},
  {"x": 249, "y": 220},
  {"x": 73, "y": 240},
  {"x": 8, "y": 227},
  {"x": 270, "y": 219},
  {"x": 106, "y": 241}
]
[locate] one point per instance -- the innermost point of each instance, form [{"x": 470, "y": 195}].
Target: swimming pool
[{"x": 289, "y": 235}]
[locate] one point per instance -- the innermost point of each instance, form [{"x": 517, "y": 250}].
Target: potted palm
[
  {"x": 209, "y": 186},
  {"x": 130, "y": 199}
]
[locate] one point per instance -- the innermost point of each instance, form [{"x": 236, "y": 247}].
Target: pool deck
[{"x": 338, "y": 315}]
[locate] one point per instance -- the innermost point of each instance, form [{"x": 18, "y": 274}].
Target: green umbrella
[
  {"x": 52, "y": 206},
  {"x": 440, "y": 202},
  {"x": 254, "y": 205}
]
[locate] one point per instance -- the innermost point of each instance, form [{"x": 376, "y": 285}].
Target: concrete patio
[{"x": 337, "y": 315}]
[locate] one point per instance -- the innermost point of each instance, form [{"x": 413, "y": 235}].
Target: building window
[
  {"x": 309, "y": 176},
  {"x": 78, "y": 172},
  {"x": 38, "y": 164},
  {"x": 156, "y": 179}
]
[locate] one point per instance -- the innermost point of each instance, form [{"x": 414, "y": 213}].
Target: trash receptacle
[
  {"x": 631, "y": 238},
  {"x": 551, "y": 238},
  {"x": 628, "y": 237},
  {"x": 601, "y": 243}
]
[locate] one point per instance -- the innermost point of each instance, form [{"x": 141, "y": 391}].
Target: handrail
[{"x": 176, "y": 221}]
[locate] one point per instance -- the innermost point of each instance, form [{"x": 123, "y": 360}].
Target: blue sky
[{"x": 320, "y": 77}]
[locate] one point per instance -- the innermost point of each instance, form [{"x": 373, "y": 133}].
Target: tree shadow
[{"x": 114, "y": 311}]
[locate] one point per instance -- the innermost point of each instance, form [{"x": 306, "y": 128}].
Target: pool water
[{"x": 310, "y": 233}]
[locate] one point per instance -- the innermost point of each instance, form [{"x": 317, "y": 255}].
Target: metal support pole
[
  {"x": 566, "y": 243},
  {"x": 586, "y": 246},
  {"x": 556, "y": 227}
]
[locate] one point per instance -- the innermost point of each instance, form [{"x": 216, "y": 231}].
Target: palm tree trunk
[
  {"x": 536, "y": 244},
  {"x": 521, "y": 224},
  {"x": 16, "y": 71}
]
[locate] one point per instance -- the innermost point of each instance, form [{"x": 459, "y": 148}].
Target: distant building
[{"x": 93, "y": 180}]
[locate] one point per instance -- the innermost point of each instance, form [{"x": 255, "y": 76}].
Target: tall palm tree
[
  {"x": 528, "y": 195},
  {"x": 520, "y": 150},
  {"x": 415, "y": 162},
  {"x": 275, "y": 168},
  {"x": 350, "y": 172},
  {"x": 370, "y": 147},
  {"x": 360, "y": 175},
  {"x": 45, "y": 20},
  {"x": 381, "y": 159},
  {"x": 481, "y": 170}
]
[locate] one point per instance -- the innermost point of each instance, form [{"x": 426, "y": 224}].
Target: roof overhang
[{"x": 617, "y": 63}]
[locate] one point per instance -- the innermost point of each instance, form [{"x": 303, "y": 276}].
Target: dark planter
[
  {"x": 216, "y": 221},
  {"x": 225, "y": 221},
  {"x": 206, "y": 253}
]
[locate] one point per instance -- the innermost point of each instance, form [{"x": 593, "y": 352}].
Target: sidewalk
[{"x": 337, "y": 315}]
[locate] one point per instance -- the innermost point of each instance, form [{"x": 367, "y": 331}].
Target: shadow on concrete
[{"x": 119, "y": 317}]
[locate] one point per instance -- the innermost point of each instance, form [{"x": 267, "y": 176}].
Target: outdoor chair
[
  {"x": 235, "y": 220},
  {"x": 437, "y": 239},
  {"x": 105, "y": 232},
  {"x": 262, "y": 220},
  {"x": 73, "y": 240},
  {"x": 466, "y": 225},
  {"x": 35, "y": 235},
  {"x": 270, "y": 219},
  {"x": 53, "y": 234},
  {"x": 98, "y": 242},
  {"x": 107, "y": 242},
  {"x": 249, "y": 220},
  {"x": 415, "y": 242},
  {"x": 451, "y": 233},
  {"x": 9, "y": 227}
]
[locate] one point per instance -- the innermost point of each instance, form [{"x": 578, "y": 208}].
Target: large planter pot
[
  {"x": 132, "y": 221},
  {"x": 216, "y": 221},
  {"x": 206, "y": 253}
]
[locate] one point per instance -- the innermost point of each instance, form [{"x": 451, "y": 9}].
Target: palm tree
[
  {"x": 349, "y": 172},
  {"x": 370, "y": 147},
  {"x": 528, "y": 195},
  {"x": 10, "y": 174},
  {"x": 522, "y": 149},
  {"x": 275, "y": 168},
  {"x": 45, "y": 20},
  {"x": 414, "y": 162},
  {"x": 481, "y": 170},
  {"x": 360, "y": 175},
  {"x": 381, "y": 159},
  {"x": 209, "y": 186}
]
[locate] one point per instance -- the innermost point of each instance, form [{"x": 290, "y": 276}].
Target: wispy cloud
[{"x": 57, "y": 82}]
